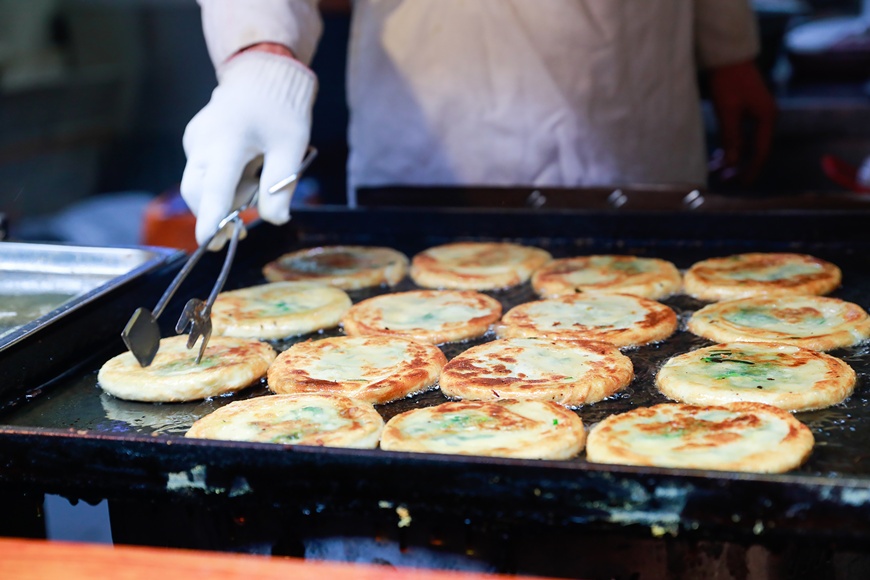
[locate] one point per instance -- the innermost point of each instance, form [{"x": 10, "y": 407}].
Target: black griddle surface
[
  {"x": 66, "y": 436},
  {"x": 842, "y": 432}
]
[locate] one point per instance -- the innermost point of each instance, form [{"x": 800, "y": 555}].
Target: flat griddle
[{"x": 65, "y": 436}]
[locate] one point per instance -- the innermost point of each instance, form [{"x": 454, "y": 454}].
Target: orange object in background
[
  {"x": 168, "y": 222},
  {"x": 41, "y": 560}
]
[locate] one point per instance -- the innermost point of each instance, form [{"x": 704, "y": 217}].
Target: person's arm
[
  {"x": 260, "y": 112},
  {"x": 726, "y": 38},
  {"x": 233, "y": 25}
]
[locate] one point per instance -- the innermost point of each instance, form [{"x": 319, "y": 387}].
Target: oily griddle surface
[{"x": 842, "y": 432}]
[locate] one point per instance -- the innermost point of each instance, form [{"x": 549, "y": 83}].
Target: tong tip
[
  {"x": 202, "y": 345},
  {"x": 141, "y": 336}
]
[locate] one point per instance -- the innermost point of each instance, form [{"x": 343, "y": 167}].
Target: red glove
[
  {"x": 845, "y": 174},
  {"x": 739, "y": 94}
]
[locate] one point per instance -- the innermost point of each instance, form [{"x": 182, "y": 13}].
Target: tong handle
[
  {"x": 179, "y": 278},
  {"x": 201, "y": 324},
  {"x": 225, "y": 269},
  {"x": 310, "y": 154}
]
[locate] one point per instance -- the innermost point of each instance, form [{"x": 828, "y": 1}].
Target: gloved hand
[
  {"x": 846, "y": 174},
  {"x": 260, "y": 112},
  {"x": 739, "y": 94}
]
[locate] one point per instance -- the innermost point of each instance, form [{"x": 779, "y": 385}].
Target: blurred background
[{"x": 95, "y": 95}]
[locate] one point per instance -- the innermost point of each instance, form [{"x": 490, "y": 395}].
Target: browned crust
[
  {"x": 428, "y": 271},
  {"x": 419, "y": 371},
  {"x": 658, "y": 323},
  {"x": 553, "y": 279},
  {"x": 837, "y": 384},
  {"x": 256, "y": 312},
  {"x": 565, "y": 438},
  {"x": 346, "y": 267},
  {"x": 707, "y": 280},
  {"x": 604, "y": 445},
  {"x": 366, "y": 317},
  {"x": 470, "y": 374},
  {"x": 228, "y": 365},
  {"x": 362, "y": 429},
  {"x": 709, "y": 323}
]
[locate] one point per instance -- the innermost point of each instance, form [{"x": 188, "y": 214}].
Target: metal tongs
[{"x": 142, "y": 333}]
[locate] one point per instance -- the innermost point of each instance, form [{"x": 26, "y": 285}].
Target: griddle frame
[{"x": 655, "y": 501}]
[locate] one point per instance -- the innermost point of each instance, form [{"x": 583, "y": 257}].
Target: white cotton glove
[{"x": 259, "y": 114}]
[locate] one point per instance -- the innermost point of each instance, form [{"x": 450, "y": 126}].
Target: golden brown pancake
[
  {"x": 571, "y": 373},
  {"x": 784, "y": 376},
  {"x": 761, "y": 274},
  {"x": 432, "y": 316},
  {"x": 619, "y": 319},
  {"x": 814, "y": 322},
  {"x": 476, "y": 265},
  {"x": 307, "y": 419},
  {"x": 278, "y": 310},
  {"x": 734, "y": 437},
  {"x": 645, "y": 277},
  {"x": 345, "y": 267},
  {"x": 525, "y": 429},
  {"x": 228, "y": 365},
  {"x": 375, "y": 369}
]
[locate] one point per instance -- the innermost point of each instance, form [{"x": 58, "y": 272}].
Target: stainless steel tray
[
  {"x": 41, "y": 283},
  {"x": 59, "y": 303}
]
